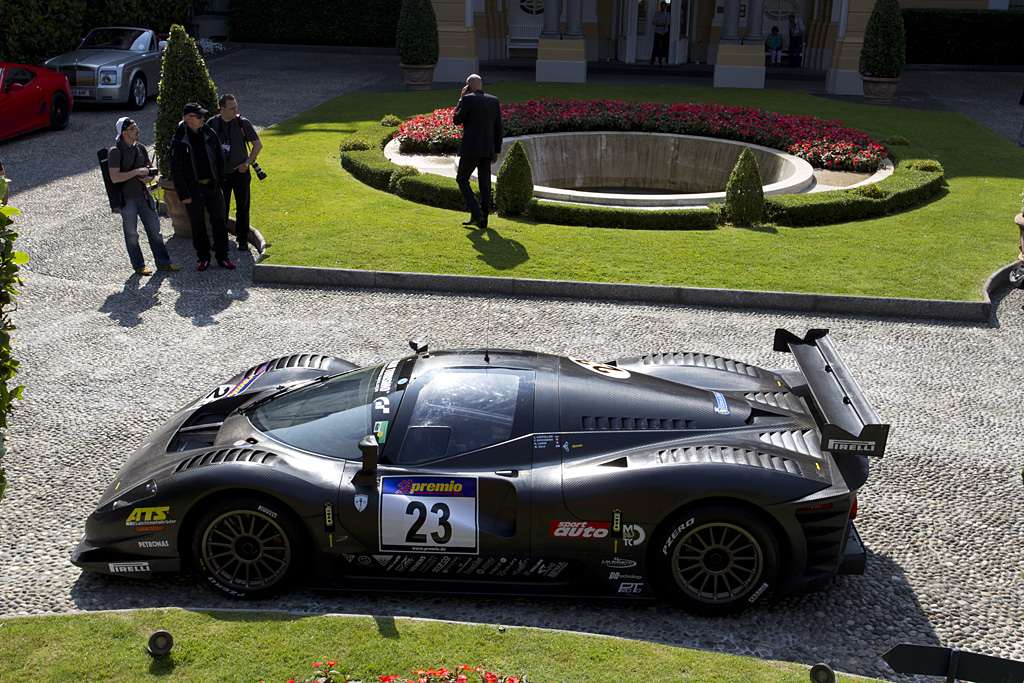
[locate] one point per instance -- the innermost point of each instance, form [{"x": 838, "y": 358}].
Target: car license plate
[{"x": 81, "y": 92}]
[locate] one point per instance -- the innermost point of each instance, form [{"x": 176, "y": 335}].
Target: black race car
[{"x": 692, "y": 478}]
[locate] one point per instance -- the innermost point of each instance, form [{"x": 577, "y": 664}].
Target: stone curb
[{"x": 874, "y": 307}]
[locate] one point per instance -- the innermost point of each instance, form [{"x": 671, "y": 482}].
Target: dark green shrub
[
  {"x": 433, "y": 190},
  {"x": 391, "y": 121},
  {"x": 744, "y": 193},
  {"x": 184, "y": 79},
  {"x": 416, "y": 35},
  {"x": 515, "y": 182},
  {"x": 340, "y": 22},
  {"x": 399, "y": 173},
  {"x": 561, "y": 213},
  {"x": 884, "y": 53},
  {"x": 950, "y": 36},
  {"x": 354, "y": 143},
  {"x": 32, "y": 31},
  {"x": 873, "y": 191},
  {"x": 896, "y": 141},
  {"x": 369, "y": 166},
  {"x": 930, "y": 165},
  {"x": 10, "y": 261}
]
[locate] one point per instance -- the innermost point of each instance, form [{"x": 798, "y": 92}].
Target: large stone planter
[
  {"x": 175, "y": 209},
  {"x": 418, "y": 76},
  {"x": 879, "y": 90}
]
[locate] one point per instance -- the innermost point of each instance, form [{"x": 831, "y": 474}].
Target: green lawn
[
  {"x": 249, "y": 647},
  {"x": 315, "y": 214}
]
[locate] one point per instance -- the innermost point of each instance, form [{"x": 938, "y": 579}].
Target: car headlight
[{"x": 108, "y": 77}]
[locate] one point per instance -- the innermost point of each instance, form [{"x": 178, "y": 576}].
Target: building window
[{"x": 532, "y": 6}]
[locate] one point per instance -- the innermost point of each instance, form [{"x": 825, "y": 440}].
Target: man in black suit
[{"x": 480, "y": 116}]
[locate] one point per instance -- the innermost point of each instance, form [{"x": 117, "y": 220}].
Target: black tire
[
  {"x": 246, "y": 548},
  {"x": 715, "y": 560},
  {"x": 60, "y": 112},
  {"x": 137, "y": 93}
]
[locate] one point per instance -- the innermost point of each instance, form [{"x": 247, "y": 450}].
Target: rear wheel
[
  {"x": 715, "y": 560},
  {"x": 138, "y": 94},
  {"x": 246, "y": 548},
  {"x": 60, "y": 111}
]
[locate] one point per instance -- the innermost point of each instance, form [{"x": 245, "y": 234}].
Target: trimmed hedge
[
  {"x": 433, "y": 190},
  {"x": 369, "y": 166},
  {"x": 313, "y": 22},
  {"x": 561, "y": 213},
  {"x": 964, "y": 36},
  {"x": 914, "y": 181}
]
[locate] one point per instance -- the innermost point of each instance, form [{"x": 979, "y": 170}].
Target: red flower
[
  {"x": 317, "y": 665},
  {"x": 387, "y": 679},
  {"x": 490, "y": 678},
  {"x": 332, "y": 663}
]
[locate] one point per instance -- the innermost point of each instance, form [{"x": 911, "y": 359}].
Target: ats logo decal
[
  {"x": 128, "y": 567},
  {"x": 140, "y": 516},
  {"x": 846, "y": 445},
  {"x": 579, "y": 529}
]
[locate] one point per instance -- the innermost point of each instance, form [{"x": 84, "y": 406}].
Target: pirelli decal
[{"x": 851, "y": 446}]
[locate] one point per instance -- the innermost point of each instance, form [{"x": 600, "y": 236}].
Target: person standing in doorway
[
  {"x": 796, "y": 40},
  {"x": 661, "y": 20},
  {"x": 236, "y": 136},
  {"x": 482, "y": 132}
]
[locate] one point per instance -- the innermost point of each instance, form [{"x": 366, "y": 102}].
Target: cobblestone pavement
[{"x": 107, "y": 356}]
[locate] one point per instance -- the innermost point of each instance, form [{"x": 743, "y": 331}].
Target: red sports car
[{"x": 32, "y": 97}]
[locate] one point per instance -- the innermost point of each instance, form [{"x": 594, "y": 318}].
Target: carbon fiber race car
[{"x": 682, "y": 476}]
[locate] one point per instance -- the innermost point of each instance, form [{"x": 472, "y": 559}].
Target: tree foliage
[
  {"x": 10, "y": 261},
  {"x": 184, "y": 79},
  {"x": 515, "y": 182},
  {"x": 884, "y": 53},
  {"x": 744, "y": 194}
]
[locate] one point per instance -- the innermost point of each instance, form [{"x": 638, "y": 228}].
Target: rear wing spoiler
[{"x": 851, "y": 426}]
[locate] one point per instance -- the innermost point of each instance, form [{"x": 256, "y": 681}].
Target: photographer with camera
[
  {"x": 130, "y": 167},
  {"x": 236, "y": 135}
]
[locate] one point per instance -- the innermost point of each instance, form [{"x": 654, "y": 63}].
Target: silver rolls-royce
[{"x": 113, "y": 64}]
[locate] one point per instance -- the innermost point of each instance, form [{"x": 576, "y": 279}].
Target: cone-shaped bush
[
  {"x": 184, "y": 79},
  {"x": 744, "y": 196},
  {"x": 884, "y": 53},
  {"x": 515, "y": 182},
  {"x": 416, "y": 33}
]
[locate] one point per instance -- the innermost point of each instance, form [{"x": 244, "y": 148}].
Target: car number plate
[
  {"x": 81, "y": 92},
  {"x": 429, "y": 514}
]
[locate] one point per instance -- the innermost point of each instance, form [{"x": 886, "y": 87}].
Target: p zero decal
[{"x": 429, "y": 514}]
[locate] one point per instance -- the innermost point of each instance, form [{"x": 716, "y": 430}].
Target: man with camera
[
  {"x": 129, "y": 166},
  {"x": 236, "y": 135}
]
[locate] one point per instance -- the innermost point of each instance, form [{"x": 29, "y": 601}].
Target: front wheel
[
  {"x": 246, "y": 548},
  {"x": 715, "y": 560},
  {"x": 137, "y": 93},
  {"x": 60, "y": 111}
]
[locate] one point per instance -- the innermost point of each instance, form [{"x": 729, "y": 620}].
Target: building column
[
  {"x": 552, "y": 15},
  {"x": 456, "y": 38},
  {"x": 573, "y": 20},
  {"x": 843, "y": 76},
  {"x": 562, "y": 61},
  {"x": 755, "y": 23},
  {"x": 731, "y": 23}
]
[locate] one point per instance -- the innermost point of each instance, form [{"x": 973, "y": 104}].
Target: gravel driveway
[{"x": 107, "y": 356}]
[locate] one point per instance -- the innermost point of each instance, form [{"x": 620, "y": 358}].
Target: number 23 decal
[{"x": 429, "y": 514}]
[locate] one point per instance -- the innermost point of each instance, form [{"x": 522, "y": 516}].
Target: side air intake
[
  {"x": 805, "y": 442},
  {"x": 728, "y": 456},
  {"x": 592, "y": 423},
  {"x": 700, "y": 360},
  {"x": 223, "y": 455},
  {"x": 778, "y": 399},
  {"x": 298, "y": 360}
]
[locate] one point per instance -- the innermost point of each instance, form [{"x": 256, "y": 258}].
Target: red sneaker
[
  {"x": 224, "y": 263},
  {"x": 203, "y": 265}
]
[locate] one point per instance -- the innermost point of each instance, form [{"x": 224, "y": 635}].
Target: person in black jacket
[
  {"x": 480, "y": 116},
  {"x": 197, "y": 169}
]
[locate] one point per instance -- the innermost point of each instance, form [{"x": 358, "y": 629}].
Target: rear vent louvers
[
  {"x": 728, "y": 456},
  {"x": 777, "y": 399},
  {"x": 227, "y": 455},
  {"x": 700, "y": 360},
  {"x": 805, "y": 442},
  {"x": 824, "y": 531},
  {"x": 298, "y": 360},
  {"x": 620, "y": 423}
]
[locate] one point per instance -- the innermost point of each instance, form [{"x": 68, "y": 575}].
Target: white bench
[{"x": 522, "y": 36}]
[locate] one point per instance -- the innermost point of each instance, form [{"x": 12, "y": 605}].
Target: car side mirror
[
  {"x": 15, "y": 87},
  {"x": 161, "y": 45},
  {"x": 367, "y": 475}
]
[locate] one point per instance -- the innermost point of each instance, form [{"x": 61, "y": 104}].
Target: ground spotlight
[
  {"x": 160, "y": 643},
  {"x": 822, "y": 673}
]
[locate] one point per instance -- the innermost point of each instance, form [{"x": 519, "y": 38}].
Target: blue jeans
[{"x": 134, "y": 209}]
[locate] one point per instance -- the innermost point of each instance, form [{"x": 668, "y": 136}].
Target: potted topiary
[
  {"x": 884, "y": 53},
  {"x": 184, "y": 78},
  {"x": 744, "y": 193},
  {"x": 416, "y": 38}
]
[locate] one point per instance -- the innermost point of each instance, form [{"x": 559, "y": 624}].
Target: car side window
[
  {"x": 18, "y": 75},
  {"x": 141, "y": 43},
  {"x": 462, "y": 410}
]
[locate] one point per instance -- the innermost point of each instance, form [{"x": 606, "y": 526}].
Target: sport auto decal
[
  {"x": 140, "y": 516},
  {"x": 579, "y": 529},
  {"x": 601, "y": 368},
  {"x": 429, "y": 514}
]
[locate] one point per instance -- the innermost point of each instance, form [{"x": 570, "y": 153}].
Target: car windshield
[
  {"x": 115, "y": 39},
  {"x": 328, "y": 417}
]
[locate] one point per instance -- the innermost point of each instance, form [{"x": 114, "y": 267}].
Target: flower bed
[{"x": 823, "y": 144}]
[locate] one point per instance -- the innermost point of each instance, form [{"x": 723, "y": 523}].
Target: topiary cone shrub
[
  {"x": 416, "y": 33},
  {"x": 884, "y": 53},
  {"x": 515, "y": 182},
  {"x": 744, "y": 194},
  {"x": 184, "y": 78}
]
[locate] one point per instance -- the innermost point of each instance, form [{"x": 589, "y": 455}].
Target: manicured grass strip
[
  {"x": 315, "y": 213},
  {"x": 252, "y": 646}
]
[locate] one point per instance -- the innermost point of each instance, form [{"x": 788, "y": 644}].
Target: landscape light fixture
[
  {"x": 822, "y": 673},
  {"x": 160, "y": 643}
]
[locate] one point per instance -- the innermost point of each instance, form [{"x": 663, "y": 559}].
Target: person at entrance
[
  {"x": 482, "y": 132},
  {"x": 662, "y": 19},
  {"x": 796, "y": 40}
]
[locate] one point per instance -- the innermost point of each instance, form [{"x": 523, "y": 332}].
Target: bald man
[{"x": 480, "y": 116}]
